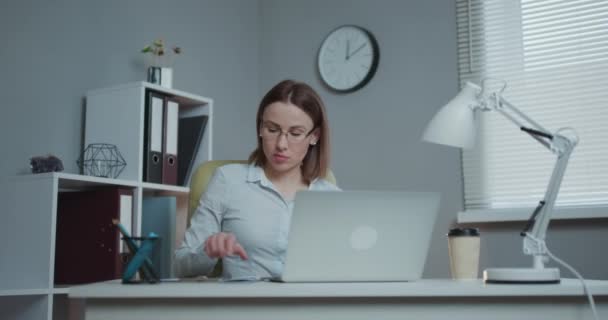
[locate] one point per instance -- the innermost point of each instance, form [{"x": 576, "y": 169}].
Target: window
[{"x": 554, "y": 57}]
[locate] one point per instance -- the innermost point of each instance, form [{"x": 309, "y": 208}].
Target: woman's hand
[{"x": 224, "y": 244}]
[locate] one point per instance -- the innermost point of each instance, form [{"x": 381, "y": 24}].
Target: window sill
[{"x": 523, "y": 214}]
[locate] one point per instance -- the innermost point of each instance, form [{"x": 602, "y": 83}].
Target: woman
[{"x": 244, "y": 215}]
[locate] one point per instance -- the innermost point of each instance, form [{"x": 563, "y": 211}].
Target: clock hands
[
  {"x": 356, "y": 50},
  {"x": 347, "y": 49}
]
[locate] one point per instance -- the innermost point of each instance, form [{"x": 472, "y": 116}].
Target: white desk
[{"x": 424, "y": 299}]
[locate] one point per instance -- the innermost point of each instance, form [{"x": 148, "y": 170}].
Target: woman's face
[{"x": 287, "y": 133}]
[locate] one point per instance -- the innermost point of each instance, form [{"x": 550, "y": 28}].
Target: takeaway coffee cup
[{"x": 463, "y": 245}]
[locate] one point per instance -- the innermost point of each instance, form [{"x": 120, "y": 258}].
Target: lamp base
[{"x": 521, "y": 275}]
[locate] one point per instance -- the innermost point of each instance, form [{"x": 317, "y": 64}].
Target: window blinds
[{"x": 554, "y": 57}]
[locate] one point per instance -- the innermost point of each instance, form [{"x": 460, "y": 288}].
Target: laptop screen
[{"x": 360, "y": 235}]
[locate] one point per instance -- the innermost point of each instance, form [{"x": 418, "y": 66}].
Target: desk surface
[{"x": 421, "y": 288}]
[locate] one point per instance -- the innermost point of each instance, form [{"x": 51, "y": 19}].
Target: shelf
[
  {"x": 75, "y": 181},
  {"x": 58, "y": 289},
  {"x": 23, "y": 292},
  {"x": 164, "y": 187},
  {"x": 68, "y": 181},
  {"x": 78, "y": 181},
  {"x": 184, "y": 98}
]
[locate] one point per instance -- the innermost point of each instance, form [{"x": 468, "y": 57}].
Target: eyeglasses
[{"x": 269, "y": 132}]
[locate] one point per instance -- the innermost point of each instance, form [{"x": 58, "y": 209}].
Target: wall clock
[{"x": 348, "y": 58}]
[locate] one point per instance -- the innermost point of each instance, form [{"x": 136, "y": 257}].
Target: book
[
  {"x": 88, "y": 247},
  {"x": 191, "y": 132},
  {"x": 158, "y": 216}
]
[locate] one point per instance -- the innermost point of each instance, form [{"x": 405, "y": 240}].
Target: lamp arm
[
  {"x": 544, "y": 215},
  {"x": 502, "y": 103},
  {"x": 562, "y": 146},
  {"x": 534, "y": 129}
]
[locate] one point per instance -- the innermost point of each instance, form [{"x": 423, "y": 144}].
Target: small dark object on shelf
[
  {"x": 101, "y": 160},
  {"x": 49, "y": 163}
]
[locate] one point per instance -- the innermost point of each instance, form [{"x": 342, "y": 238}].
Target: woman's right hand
[{"x": 224, "y": 244}]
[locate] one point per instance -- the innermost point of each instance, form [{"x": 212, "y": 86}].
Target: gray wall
[
  {"x": 376, "y": 130},
  {"x": 53, "y": 52}
]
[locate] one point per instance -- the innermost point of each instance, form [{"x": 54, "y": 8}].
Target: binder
[
  {"x": 153, "y": 137},
  {"x": 170, "y": 156},
  {"x": 88, "y": 246},
  {"x": 158, "y": 216},
  {"x": 125, "y": 216},
  {"x": 191, "y": 131}
]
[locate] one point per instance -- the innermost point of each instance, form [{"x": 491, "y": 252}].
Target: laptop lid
[{"x": 359, "y": 236}]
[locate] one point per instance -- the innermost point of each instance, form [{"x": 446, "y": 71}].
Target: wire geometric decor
[{"x": 101, "y": 160}]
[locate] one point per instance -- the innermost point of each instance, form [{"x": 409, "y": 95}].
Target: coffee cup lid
[{"x": 464, "y": 232}]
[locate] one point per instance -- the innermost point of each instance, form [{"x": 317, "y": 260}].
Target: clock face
[{"x": 348, "y": 58}]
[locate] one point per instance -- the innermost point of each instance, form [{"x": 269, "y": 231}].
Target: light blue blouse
[{"x": 241, "y": 200}]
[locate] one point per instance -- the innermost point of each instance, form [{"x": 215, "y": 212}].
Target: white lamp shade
[{"x": 454, "y": 125}]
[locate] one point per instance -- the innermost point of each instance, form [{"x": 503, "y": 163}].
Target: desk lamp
[{"x": 455, "y": 125}]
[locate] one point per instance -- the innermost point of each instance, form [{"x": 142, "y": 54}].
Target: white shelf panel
[
  {"x": 26, "y": 239},
  {"x": 77, "y": 181},
  {"x": 186, "y": 99},
  {"x": 23, "y": 292},
  {"x": 147, "y": 186},
  {"x": 61, "y": 289}
]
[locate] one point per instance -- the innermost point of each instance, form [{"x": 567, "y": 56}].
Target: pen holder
[{"x": 139, "y": 268}]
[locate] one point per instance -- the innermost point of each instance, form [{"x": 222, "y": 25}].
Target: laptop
[{"x": 351, "y": 236}]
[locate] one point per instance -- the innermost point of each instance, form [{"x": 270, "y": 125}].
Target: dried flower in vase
[{"x": 157, "y": 50}]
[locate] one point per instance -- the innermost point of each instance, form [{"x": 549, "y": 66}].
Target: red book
[{"x": 88, "y": 247}]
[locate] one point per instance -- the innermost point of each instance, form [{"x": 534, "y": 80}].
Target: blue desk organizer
[{"x": 140, "y": 260}]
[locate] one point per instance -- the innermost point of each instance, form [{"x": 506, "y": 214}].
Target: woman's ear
[{"x": 315, "y": 136}]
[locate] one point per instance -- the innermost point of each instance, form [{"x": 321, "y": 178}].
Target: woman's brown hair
[{"x": 301, "y": 95}]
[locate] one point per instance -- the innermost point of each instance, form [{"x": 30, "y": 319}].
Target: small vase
[{"x": 161, "y": 76}]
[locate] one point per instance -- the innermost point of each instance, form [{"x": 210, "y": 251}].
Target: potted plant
[{"x": 160, "y": 71}]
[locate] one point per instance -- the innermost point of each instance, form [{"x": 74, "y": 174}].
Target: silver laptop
[{"x": 359, "y": 236}]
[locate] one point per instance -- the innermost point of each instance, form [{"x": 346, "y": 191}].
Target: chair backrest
[{"x": 202, "y": 175}]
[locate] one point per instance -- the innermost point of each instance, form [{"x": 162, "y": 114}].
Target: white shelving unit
[
  {"x": 29, "y": 202},
  {"x": 115, "y": 115}
]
